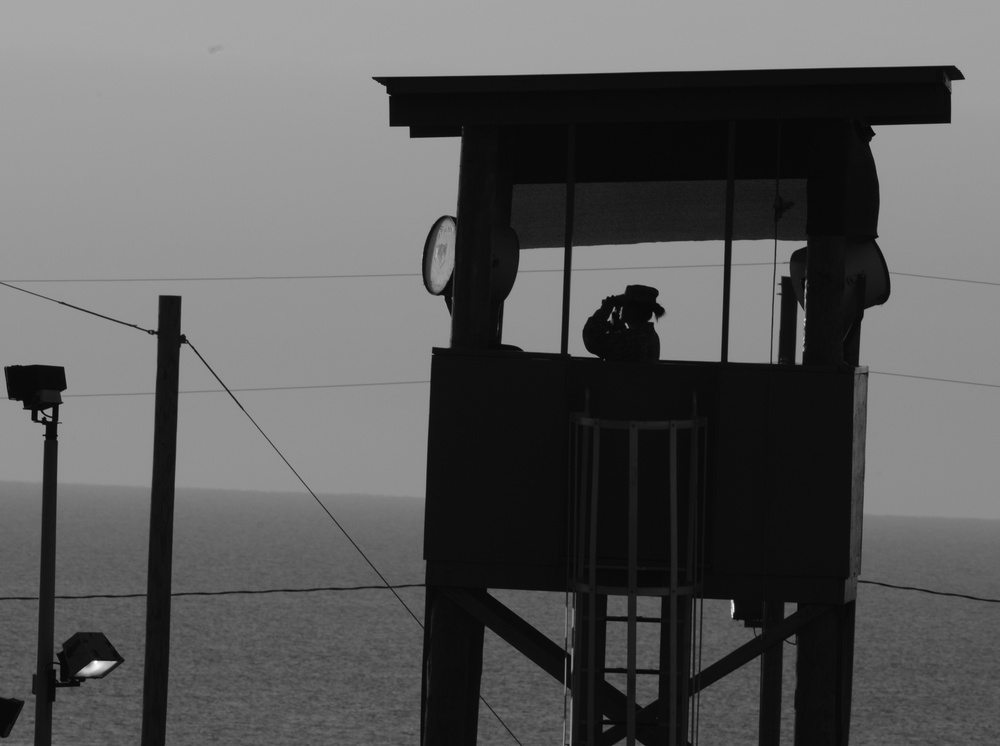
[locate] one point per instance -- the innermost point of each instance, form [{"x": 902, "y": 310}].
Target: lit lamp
[
  {"x": 9, "y": 710},
  {"x": 87, "y": 655}
]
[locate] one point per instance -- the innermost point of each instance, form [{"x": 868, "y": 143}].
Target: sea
[{"x": 342, "y": 665}]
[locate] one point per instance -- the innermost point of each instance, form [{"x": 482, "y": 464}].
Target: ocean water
[{"x": 343, "y": 667}]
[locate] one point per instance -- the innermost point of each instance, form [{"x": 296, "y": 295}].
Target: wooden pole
[
  {"x": 771, "y": 664},
  {"x": 161, "y": 524}
]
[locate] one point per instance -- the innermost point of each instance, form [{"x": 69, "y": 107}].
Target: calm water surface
[{"x": 344, "y": 667}]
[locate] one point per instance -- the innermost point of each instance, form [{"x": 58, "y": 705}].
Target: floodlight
[
  {"x": 861, "y": 259},
  {"x": 87, "y": 655},
  {"x": 37, "y": 386},
  {"x": 9, "y": 710},
  {"x": 751, "y": 613}
]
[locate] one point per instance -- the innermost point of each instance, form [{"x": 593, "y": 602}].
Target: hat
[
  {"x": 643, "y": 295},
  {"x": 640, "y": 294}
]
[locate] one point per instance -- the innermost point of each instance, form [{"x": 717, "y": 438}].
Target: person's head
[{"x": 638, "y": 304}]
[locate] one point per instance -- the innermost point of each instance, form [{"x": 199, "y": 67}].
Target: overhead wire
[
  {"x": 354, "y": 276},
  {"x": 242, "y": 592},
  {"x": 79, "y": 308},
  {"x": 263, "y": 388},
  {"x": 981, "y": 599},
  {"x": 376, "y": 275},
  {"x": 302, "y": 481},
  {"x": 403, "y": 586}
]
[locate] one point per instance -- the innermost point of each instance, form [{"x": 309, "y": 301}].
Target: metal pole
[
  {"x": 161, "y": 524},
  {"x": 44, "y": 683},
  {"x": 568, "y": 245},
  {"x": 727, "y": 271}
]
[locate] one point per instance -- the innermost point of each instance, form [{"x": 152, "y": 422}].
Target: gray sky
[{"x": 247, "y": 139}]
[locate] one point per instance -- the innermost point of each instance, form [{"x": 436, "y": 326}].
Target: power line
[
  {"x": 377, "y": 275},
  {"x": 426, "y": 381},
  {"x": 356, "y": 276},
  {"x": 917, "y": 589},
  {"x": 326, "y": 510},
  {"x": 245, "y": 592},
  {"x": 302, "y": 481},
  {"x": 939, "y": 380},
  {"x": 78, "y": 308},
  {"x": 402, "y": 586},
  {"x": 948, "y": 279},
  {"x": 261, "y": 388}
]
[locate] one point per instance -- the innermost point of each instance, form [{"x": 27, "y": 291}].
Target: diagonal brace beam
[
  {"x": 528, "y": 641},
  {"x": 746, "y": 653},
  {"x": 725, "y": 666}
]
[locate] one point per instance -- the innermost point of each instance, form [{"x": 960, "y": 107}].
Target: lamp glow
[{"x": 95, "y": 669}]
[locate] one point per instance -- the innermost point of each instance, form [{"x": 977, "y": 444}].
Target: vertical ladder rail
[
  {"x": 633, "y": 576},
  {"x": 692, "y": 576},
  {"x": 592, "y": 724},
  {"x": 673, "y": 585}
]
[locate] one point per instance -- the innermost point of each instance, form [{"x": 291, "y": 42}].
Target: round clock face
[{"x": 439, "y": 255}]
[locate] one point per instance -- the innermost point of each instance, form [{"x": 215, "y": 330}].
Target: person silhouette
[{"x": 621, "y": 329}]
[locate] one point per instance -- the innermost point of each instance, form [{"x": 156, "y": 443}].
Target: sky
[{"x": 146, "y": 149}]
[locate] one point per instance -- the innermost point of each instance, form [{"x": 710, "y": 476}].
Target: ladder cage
[{"x": 637, "y": 492}]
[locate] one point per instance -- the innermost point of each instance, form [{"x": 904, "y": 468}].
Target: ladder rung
[
  {"x": 640, "y": 619},
  {"x": 619, "y": 590},
  {"x": 638, "y": 671}
]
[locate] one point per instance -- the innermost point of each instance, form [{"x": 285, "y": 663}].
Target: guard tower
[{"x": 674, "y": 480}]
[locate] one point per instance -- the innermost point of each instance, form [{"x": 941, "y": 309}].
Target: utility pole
[{"x": 161, "y": 524}]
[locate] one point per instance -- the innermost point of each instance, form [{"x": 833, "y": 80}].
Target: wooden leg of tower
[
  {"x": 589, "y": 646},
  {"x": 675, "y": 668},
  {"x": 453, "y": 668},
  {"x": 771, "y": 663},
  {"x": 824, "y": 673}
]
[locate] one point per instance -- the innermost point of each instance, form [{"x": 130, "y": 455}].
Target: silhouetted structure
[{"x": 675, "y": 480}]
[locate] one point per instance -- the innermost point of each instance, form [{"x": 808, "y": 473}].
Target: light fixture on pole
[
  {"x": 9, "y": 710},
  {"x": 862, "y": 258},
  {"x": 87, "y": 655},
  {"x": 39, "y": 388}
]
